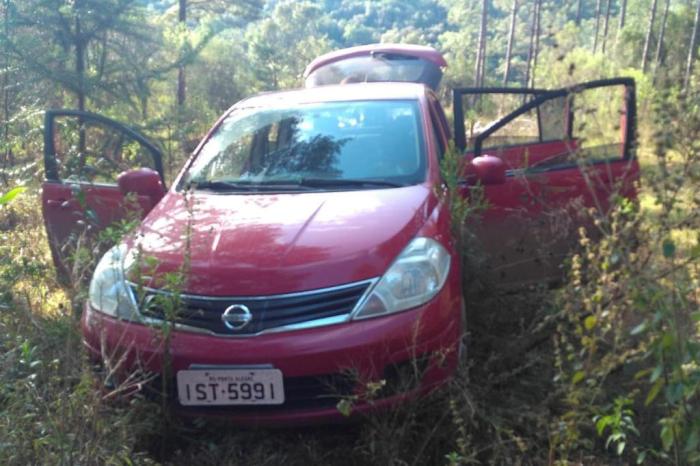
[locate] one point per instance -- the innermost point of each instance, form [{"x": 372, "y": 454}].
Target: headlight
[
  {"x": 414, "y": 278},
  {"x": 108, "y": 289}
]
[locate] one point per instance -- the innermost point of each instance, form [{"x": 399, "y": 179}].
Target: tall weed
[{"x": 627, "y": 345}]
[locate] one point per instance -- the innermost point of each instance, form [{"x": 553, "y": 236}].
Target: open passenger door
[
  {"x": 98, "y": 172},
  {"x": 567, "y": 155}
]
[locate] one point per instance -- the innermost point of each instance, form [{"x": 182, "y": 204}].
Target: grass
[
  {"x": 54, "y": 413},
  {"x": 510, "y": 402}
]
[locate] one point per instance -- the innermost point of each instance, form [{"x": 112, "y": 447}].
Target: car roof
[{"x": 337, "y": 93}]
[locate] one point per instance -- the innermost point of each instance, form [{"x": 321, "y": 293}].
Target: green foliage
[
  {"x": 51, "y": 412},
  {"x": 627, "y": 346},
  {"x": 133, "y": 51},
  {"x": 453, "y": 168},
  {"x": 11, "y": 194},
  {"x": 295, "y": 24},
  {"x": 618, "y": 423}
]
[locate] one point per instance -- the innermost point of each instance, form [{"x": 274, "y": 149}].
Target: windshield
[
  {"x": 378, "y": 67},
  {"x": 324, "y": 145}
]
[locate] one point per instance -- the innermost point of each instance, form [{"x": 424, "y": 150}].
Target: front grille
[{"x": 268, "y": 312}]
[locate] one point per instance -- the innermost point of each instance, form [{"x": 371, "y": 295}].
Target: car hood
[{"x": 261, "y": 244}]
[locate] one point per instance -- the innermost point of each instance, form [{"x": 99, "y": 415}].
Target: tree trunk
[
  {"x": 647, "y": 41},
  {"x": 181, "y": 86},
  {"x": 662, "y": 33},
  {"x": 511, "y": 38},
  {"x": 597, "y": 25},
  {"x": 481, "y": 47},
  {"x": 483, "y": 64},
  {"x": 579, "y": 9},
  {"x": 623, "y": 12},
  {"x": 538, "y": 28},
  {"x": 7, "y": 160},
  {"x": 80, "y": 64},
  {"x": 80, "y": 42},
  {"x": 691, "y": 49},
  {"x": 605, "y": 26},
  {"x": 531, "y": 48},
  {"x": 621, "y": 22}
]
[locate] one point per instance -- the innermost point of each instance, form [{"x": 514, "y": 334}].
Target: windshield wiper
[
  {"x": 219, "y": 186},
  {"x": 289, "y": 184},
  {"x": 246, "y": 186},
  {"x": 346, "y": 182}
]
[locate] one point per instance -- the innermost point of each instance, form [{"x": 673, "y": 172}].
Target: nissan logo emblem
[{"x": 236, "y": 317}]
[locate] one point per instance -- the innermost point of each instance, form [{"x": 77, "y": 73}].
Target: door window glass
[
  {"x": 437, "y": 135},
  {"x": 553, "y": 119},
  {"x": 481, "y": 111},
  {"x": 91, "y": 151},
  {"x": 522, "y": 130},
  {"x": 545, "y": 123},
  {"x": 439, "y": 130},
  {"x": 595, "y": 118},
  {"x": 599, "y": 123}
]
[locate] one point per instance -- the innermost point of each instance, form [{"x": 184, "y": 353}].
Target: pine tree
[
  {"x": 662, "y": 33},
  {"x": 511, "y": 40},
  {"x": 181, "y": 86},
  {"x": 692, "y": 49},
  {"x": 579, "y": 10},
  {"x": 605, "y": 26},
  {"x": 67, "y": 43},
  {"x": 621, "y": 20},
  {"x": 7, "y": 159},
  {"x": 481, "y": 46},
  {"x": 623, "y": 12},
  {"x": 647, "y": 40},
  {"x": 538, "y": 33},
  {"x": 597, "y": 26},
  {"x": 534, "y": 43}
]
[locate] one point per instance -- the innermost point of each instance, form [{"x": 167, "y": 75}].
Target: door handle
[{"x": 62, "y": 203}]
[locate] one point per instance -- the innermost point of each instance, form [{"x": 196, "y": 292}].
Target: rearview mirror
[
  {"x": 143, "y": 182},
  {"x": 488, "y": 169}
]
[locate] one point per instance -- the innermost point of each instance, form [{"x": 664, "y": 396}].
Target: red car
[{"x": 319, "y": 262}]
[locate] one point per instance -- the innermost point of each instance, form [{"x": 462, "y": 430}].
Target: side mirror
[
  {"x": 488, "y": 169},
  {"x": 143, "y": 182}
]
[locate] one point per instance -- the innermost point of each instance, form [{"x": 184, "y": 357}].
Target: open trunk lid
[{"x": 377, "y": 63}]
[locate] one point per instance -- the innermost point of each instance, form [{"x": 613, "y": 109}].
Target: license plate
[{"x": 225, "y": 387}]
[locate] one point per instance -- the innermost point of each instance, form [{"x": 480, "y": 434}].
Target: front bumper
[{"x": 422, "y": 343}]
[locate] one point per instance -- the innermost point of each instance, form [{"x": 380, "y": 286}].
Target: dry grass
[
  {"x": 504, "y": 406},
  {"x": 496, "y": 408}
]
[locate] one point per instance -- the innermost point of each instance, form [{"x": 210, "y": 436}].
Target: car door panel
[
  {"x": 531, "y": 222},
  {"x": 533, "y": 219},
  {"x": 65, "y": 205},
  {"x": 75, "y": 207}
]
